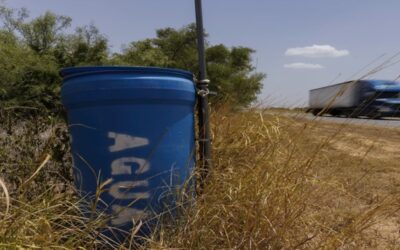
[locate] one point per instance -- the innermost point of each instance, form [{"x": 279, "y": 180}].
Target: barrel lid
[{"x": 70, "y": 72}]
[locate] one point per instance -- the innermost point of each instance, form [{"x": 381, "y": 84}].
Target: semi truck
[{"x": 371, "y": 98}]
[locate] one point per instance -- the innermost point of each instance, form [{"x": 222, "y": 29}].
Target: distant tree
[
  {"x": 32, "y": 51},
  {"x": 11, "y": 56},
  {"x": 85, "y": 47},
  {"x": 45, "y": 35},
  {"x": 28, "y": 69},
  {"x": 26, "y": 78},
  {"x": 41, "y": 34},
  {"x": 11, "y": 18},
  {"x": 230, "y": 70},
  {"x": 141, "y": 53}
]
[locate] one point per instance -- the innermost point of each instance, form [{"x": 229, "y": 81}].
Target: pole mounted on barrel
[{"x": 202, "y": 102}]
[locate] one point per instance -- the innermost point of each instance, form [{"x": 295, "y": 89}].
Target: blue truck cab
[{"x": 380, "y": 98}]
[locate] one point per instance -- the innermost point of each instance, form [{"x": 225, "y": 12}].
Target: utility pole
[{"x": 205, "y": 160}]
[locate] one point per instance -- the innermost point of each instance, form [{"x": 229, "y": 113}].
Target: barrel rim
[{"x": 71, "y": 72}]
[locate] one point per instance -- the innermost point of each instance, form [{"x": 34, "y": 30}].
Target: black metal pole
[{"x": 202, "y": 101}]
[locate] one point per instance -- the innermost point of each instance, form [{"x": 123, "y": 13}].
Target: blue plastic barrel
[{"x": 132, "y": 129}]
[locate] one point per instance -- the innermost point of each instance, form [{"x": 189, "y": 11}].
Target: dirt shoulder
[{"x": 363, "y": 162}]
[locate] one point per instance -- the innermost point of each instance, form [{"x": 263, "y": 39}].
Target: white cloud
[
  {"x": 317, "y": 51},
  {"x": 301, "y": 65}
]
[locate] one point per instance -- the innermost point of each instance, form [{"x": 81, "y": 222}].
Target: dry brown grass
[
  {"x": 277, "y": 183},
  {"x": 285, "y": 183}
]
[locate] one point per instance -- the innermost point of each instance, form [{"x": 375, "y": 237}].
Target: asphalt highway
[{"x": 383, "y": 122}]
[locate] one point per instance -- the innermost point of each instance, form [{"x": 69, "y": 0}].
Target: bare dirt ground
[{"x": 365, "y": 160}]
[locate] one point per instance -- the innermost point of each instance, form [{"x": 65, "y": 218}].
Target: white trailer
[
  {"x": 342, "y": 95},
  {"x": 372, "y": 98},
  {"x": 327, "y": 99}
]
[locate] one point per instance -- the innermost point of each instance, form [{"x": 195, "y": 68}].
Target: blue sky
[{"x": 349, "y": 34}]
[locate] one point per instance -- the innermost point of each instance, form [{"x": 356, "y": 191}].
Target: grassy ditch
[{"x": 277, "y": 183}]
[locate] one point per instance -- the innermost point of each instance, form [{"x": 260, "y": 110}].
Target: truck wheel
[
  {"x": 350, "y": 114},
  {"x": 316, "y": 112},
  {"x": 335, "y": 113},
  {"x": 376, "y": 116}
]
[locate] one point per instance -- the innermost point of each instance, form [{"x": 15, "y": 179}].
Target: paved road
[{"x": 384, "y": 122}]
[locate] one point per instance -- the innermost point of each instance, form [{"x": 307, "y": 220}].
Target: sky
[{"x": 300, "y": 45}]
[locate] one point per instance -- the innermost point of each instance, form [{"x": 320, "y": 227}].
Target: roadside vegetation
[
  {"x": 278, "y": 181},
  {"x": 33, "y": 50}
]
